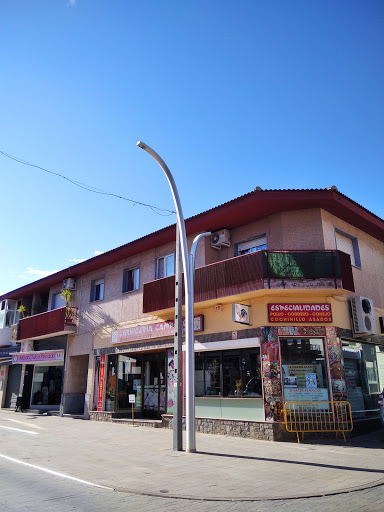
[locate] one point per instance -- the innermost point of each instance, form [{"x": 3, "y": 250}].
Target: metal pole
[
  {"x": 191, "y": 382},
  {"x": 178, "y": 351},
  {"x": 190, "y": 400}
]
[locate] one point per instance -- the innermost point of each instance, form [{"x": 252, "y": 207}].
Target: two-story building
[{"x": 289, "y": 306}]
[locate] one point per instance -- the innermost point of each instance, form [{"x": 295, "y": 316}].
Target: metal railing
[{"x": 301, "y": 417}]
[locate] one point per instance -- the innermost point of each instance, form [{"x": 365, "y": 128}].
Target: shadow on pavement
[{"x": 294, "y": 462}]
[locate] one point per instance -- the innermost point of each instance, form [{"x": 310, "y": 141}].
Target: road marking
[
  {"x": 55, "y": 473},
  {"x": 24, "y": 423},
  {"x": 20, "y": 430}
]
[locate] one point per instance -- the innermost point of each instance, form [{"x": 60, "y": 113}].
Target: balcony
[
  {"x": 262, "y": 270},
  {"x": 45, "y": 325}
]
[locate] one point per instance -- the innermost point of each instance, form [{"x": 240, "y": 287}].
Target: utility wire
[{"x": 90, "y": 188}]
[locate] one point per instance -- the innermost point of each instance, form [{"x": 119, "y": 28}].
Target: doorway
[{"x": 154, "y": 385}]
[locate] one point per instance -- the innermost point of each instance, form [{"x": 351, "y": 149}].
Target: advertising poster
[{"x": 101, "y": 383}]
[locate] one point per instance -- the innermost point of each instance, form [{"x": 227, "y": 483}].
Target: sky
[{"x": 232, "y": 94}]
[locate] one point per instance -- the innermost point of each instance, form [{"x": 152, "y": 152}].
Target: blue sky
[{"x": 232, "y": 94}]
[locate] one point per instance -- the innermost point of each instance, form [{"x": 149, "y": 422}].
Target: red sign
[
  {"x": 300, "y": 313},
  {"x": 149, "y": 331},
  {"x": 101, "y": 383}
]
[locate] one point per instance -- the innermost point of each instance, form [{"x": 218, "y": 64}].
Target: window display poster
[
  {"x": 305, "y": 395},
  {"x": 311, "y": 380},
  {"x": 296, "y": 374},
  {"x": 101, "y": 383}
]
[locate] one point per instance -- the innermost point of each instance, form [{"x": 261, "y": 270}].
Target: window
[
  {"x": 252, "y": 245},
  {"x": 165, "y": 266},
  {"x": 57, "y": 301},
  {"x": 229, "y": 373},
  {"x": 304, "y": 369},
  {"x": 350, "y": 245},
  {"x": 97, "y": 290},
  {"x": 131, "y": 279}
]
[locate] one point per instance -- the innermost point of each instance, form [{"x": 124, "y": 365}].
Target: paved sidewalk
[{"x": 141, "y": 460}]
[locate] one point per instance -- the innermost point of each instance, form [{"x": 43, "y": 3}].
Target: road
[
  {"x": 51, "y": 463},
  {"x": 23, "y": 488}
]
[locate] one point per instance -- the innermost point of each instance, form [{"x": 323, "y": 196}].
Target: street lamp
[{"x": 188, "y": 272}]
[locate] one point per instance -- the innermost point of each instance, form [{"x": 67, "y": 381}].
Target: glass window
[
  {"x": 57, "y": 301},
  {"x": 47, "y": 385},
  {"x": 129, "y": 382},
  {"x": 304, "y": 372},
  {"x": 97, "y": 290},
  {"x": 361, "y": 377},
  {"x": 165, "y": 266},
  {"x": 229, "y": 373},
  {"x": 255, "y": 244},
  {"x": 131, "y": 279}
]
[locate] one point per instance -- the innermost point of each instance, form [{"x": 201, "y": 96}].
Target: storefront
[
  {"x": 43, "y": 378},
  {"x": 362, "y": 377}
]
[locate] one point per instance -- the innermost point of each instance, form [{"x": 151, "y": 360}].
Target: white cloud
[
  {"x": 74, "y": 260},
  {"x": 39, "y": 273},
  {"x": 71, "y": 3},
  {"x": 97, "y": 253}
]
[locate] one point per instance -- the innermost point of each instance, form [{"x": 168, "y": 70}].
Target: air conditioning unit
[
  {"x": 363, "y": 316},
  {"x": 220, "y": 238},
  {"x": 69, "y": 284}
]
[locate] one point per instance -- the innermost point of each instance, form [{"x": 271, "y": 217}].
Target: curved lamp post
[{"x": 190, "y": 355}]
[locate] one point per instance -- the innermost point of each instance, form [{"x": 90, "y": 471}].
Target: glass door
[{"x": 154, "y": 385}]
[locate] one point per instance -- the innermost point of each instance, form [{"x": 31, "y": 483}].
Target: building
[{"x": 289, "y": 306}]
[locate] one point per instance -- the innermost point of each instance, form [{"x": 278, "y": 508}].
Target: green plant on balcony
[
  {"x": 67, "y": 296},
  {"x": 22, "y": 310}
]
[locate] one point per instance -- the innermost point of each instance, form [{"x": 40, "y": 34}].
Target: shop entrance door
[{"x": 154, "y": 385}]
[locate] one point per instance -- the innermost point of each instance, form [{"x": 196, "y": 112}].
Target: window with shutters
[
  {"x": 254, "y": 244},
  {"x": 349, "y": 245}
]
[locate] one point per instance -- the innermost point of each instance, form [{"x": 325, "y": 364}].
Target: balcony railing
[
  {"x": 55, "y": 322},
  {"x": 257, "y": 271}
]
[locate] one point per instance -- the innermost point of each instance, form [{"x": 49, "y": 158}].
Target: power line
[{"x": 90, "y": 188}]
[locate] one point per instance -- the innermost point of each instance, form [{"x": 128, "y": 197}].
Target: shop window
[
  {"x": 230, "y": 373},
  {"x": 97, "y": 290},
  {"x": 165, "y": 266},
  {"x": 129, "y": 382},
  {"x": 350, "y": 245},
  {"x": 361, "y": 377},
  {"x": 131, "y": 279},
  {"x": 304, "y": 371},
  {"x": 258, "y": 243},
  {"x": 47, "y": 385}
]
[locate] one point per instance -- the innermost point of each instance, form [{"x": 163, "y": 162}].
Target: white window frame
[
  {"x": 97, "y": 290},
  {"x": 136, "y": 279},
  {"x": 164, "y": 259},
  {"x": 254, "y": 244},
  {"x": 348, "y": 244}
]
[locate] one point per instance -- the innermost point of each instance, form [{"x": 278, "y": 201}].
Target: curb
[{"x": 164, "y": 494}]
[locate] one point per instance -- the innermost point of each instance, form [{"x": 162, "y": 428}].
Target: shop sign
[
  {"x": 47, "y": 356},
  {"x": 240, "y": 313},
  {"x": 101, "y": 383},
  {"x": 156, "y": 330},
  {"x": 300, "y": 313}
]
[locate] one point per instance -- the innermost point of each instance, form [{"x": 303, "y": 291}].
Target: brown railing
[
  {"x": 51, "y": 322},
  {"x": 256, "y": 271}
]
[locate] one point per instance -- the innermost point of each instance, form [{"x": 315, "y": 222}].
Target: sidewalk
[{"x": 140, "y": 460}]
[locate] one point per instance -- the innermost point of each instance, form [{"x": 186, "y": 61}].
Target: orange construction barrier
[{"x": 318, "y": 417}]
